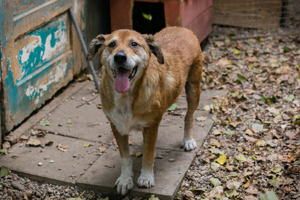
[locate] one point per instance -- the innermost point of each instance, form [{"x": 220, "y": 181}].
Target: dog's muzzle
[{"x": 123, "y": 72}]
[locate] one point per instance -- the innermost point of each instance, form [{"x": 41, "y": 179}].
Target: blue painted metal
[{"x": 40, "y": 54}]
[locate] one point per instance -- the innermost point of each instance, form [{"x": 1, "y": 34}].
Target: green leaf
[
  {"x": 173, "y": 107},
  {"x": 296, "y": 117},
  {"x": 240, "y": 79},
  {"x": 215, "y": 182},
  {"x": 273, "y": 182},
  {"x": 3, "y": 151},
  {"x": 147, "y": 16},
  {"x": 253, "y": 157},
  {"x": 269, "y": 195},
  {"x": 236, "y": 52},
  {"x": 276, "y": 169},
  {"x": 86, "y": 144},
  {"x": 214, "y": 166},
  {"x": 269, "y": 100},
  {"x": 290, "y": 97},
  {"x": 153, "y": 197},
  {"x": 274, "y": 111},
  {"x": 44, "y": 123},
  {"x": 69, "y": 122},
  {"x": 257, "y": 127},
  {"x": 241, "y": 158},
  {"x": 3, "y": 171},
  {"x": 286, "y": 49},
  {"x": 229, "y": 132}
]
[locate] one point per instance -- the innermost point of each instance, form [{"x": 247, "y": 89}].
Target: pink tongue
[{"x": 122, "y": 82}]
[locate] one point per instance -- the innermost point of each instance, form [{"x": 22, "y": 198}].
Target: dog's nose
[{"x": 120, "y": 58}]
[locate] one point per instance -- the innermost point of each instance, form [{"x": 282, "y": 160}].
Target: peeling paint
[
  {"x": 39, "y": 89},
  {"x": 39, "y": 54},
  {"x": 46, "y": 44},
  {"x": 3, "y": 38}
]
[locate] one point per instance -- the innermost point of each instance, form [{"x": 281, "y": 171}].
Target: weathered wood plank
[{"x": 247, "y": 13}]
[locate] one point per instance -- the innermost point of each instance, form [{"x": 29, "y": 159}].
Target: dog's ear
[
  {"x": 95, "y": 44},
  {"x": 155, "y": 48}
]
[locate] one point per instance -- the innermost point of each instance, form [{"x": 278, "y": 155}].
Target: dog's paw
[
  {"x": 189, "y": 144},
  {"x": 124, "y": 184},
  {"x": 146, "y": 179}
]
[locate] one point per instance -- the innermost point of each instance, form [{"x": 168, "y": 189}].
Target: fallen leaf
[
  {"x": 229, "y": 132},
  {"x": 250, "y": 139},
  {"x": 257, "y": 127},
  {"x": 240, "y": 157},
  {"x": 62, "y": 147},
  {"x": 198, "y": 191},
  {"x": 250, "y": 197},
  {"x": 200, "y": 119},
  {"x": 138, "y": 154},
  {"x": 3, "y": 151},
  {"x": 240, "y": 79},
  {"x": 216, "y": 151},
  {"x": 274, "y": 111},
  {"x": 173, "y": 107},
  {"x": 147, "y": 16},
  {"x": 269, "y": 195},
  {"x": 223, "y": 62},
  {"x": 217, "y": 132},
  {"x": 260, "y": 143},
  {"x": 234, "y": 193},
  {"x": 233, "y": 185},
  {"x": 86, "y": 145},
  {"x": 44, "y": 123},
  {"x": 236, "y": 52},
  {"x": 99, "y": 105},
  {"x": 207, "y": 108},
  {"x": 33, "y": 142},
  {"x": 290, "y": 97},
  {"x": 69, "y": 122},
  {"x": 153, "y": 197},
  {"x": 252, "y": 190},
  {"x": 215, "y": 181},
  {"x": 214, "y": 166},
  {"x": 102, "y": 149},
  {"x": 277, "y": 169},
  {"x": 3, "y": 171},
  {"x": 221, "y": 160},
  {"x": 215, "y": 143}
]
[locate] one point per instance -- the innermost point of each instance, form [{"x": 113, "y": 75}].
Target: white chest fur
[{"x": 121, "y": 115}]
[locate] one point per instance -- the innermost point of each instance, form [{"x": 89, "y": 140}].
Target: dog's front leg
[
  {"x": 124, "y": 183},
  {"x": 146, "y": 178}
]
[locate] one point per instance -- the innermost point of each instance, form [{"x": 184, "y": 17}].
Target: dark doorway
[{"x": 148, "y": 17}]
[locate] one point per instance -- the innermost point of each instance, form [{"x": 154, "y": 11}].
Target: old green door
[{"x": 40, "y": 53}]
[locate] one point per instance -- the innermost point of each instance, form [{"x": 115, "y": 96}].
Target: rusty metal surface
[{"x": 40, "y": 53}]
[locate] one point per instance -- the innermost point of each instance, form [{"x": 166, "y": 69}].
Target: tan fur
[{"x": 153, "y": 90}]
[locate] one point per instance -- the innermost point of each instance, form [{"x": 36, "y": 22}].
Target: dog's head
[{"x": 125, "y": 54}]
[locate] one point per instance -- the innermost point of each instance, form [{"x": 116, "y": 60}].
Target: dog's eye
[
  {"x": 112, "y": 44},
  {"x": 134, "y": 44}
]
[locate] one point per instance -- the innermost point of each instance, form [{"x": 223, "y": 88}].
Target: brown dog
[{"x": 142, "y": 75}]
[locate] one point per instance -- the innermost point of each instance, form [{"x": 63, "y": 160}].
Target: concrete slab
[
  {"x": 168, "y": 175},
  {"x": 51, "y": 164},
  {"x": 86, "y": 166},
  {"x": 79, "y": 117},
  {"x": 171, "y": 130},
  {"x": 45, "y": 110}
]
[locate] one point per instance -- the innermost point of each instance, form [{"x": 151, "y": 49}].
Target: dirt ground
[{"x": 252, "y": 151}]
